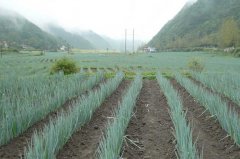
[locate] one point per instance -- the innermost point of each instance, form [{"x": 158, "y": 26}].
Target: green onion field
[{"x": 165, "y": 105}]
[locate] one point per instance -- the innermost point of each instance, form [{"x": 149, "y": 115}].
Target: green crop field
[
  {"x": 164, "y": 105},
  {"x": 29, "y": 64},
  {"x": 120, "y": 79}
]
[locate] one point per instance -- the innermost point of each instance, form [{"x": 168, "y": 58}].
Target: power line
[
  {"x": 133, "y": 40},
  {"x": 125, "y": 40}
]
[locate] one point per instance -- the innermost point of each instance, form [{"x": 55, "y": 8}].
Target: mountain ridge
[
  {"x": 17, "y": 31},
  {"x": 75, "y": 40},
  {"x": 96, "y": 40},
  {"x": 197, "y": 25}
]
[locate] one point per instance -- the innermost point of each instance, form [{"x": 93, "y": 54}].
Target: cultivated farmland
[{"x": 133, "y": 106}]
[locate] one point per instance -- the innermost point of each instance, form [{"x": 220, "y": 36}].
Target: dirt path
[
  {"x": 207, "y": 131},
  {"x": 232, "y": 105},
  {"x": 15, "y": 148},
  {"x": 151, "y": 126},
  {"x": 84, "y": 143}
]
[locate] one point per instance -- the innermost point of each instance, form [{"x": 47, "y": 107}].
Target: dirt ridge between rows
[
  {"x": 150, "y": 127},
  {"x": 231, "y": 104},
  {"x": 211, "y": 138},
  {"x": 84, "y": 142},
  {"x": 15, "y": 148}
]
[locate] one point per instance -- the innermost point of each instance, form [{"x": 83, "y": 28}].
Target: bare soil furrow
[
  {"x": 149, "y": 134},
  {"x": 84, "y": 142},
  {"x": 211, "y": 138}
]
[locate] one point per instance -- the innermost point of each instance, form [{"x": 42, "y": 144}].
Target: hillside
[
  {"x": 18, "y": 31},
  {"x": 119, "y": 44},
  {"x": 96, "y": 40},
  {"x": 75, "y": 40},
  {"x": 199, "y": 25}
]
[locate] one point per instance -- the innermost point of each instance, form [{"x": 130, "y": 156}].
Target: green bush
[
  {"x": 66, "y": 65},
  {"x": 196, "y": 64}
]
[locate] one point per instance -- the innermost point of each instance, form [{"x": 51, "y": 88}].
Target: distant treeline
[{"x": 227, "y": 36}]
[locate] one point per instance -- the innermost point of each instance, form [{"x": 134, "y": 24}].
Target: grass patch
[
  {"x": 149, "y": 75},
  {"x": 168, "y": 74},
  {"x": 129, "y": 74},
  {"x": 108, "y": 75}
]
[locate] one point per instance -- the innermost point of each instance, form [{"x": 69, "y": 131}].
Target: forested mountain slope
[
  {"x": 75, "y": 40},
  {"x": 206, "y": 23},
  {"x": 17, "y": 32}
]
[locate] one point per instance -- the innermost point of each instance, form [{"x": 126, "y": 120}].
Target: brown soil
[
  {"x": 101, "y": 69},
  {"x": 93, "y": 69},
  {"x": 15, "y": 148},
  {"x": 230, "y": 103},
  {"x": 84, "y": 143},
  {"x": 85, "y": 69},
  {"x": 150, "y": 127},
  {"x": 211, "y": 138},
  {"x": 110, "y": 69}
]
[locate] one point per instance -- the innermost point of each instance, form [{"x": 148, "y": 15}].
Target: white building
[
  {"x": 150, "y": 49},
  {"x": 63, "y": 48},
  {"x": 4, "y": 44}
]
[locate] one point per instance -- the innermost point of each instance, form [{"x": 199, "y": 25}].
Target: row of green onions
[
  {"x": 186, "y": 148},
  {"x": 228, "y": 118},
  {"x": 111, "y": 143},
  {"x": 16, "y": 92},
  {"x": 47, "y": 143},
  {"x": 226, "y": 84},
  {"x": 24, "y": 111}
]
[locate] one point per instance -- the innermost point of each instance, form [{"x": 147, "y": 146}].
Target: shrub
[
  {"x": 195, "y": 64},
  {"x": 66, "y": 65}
]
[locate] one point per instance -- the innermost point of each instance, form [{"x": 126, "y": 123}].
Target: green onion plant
[
  {"x": 24, "y": 101},
  {"x": 47, "y": 143},
  {"x": 226, "y": 84},
  {"x": 227, "y": 118},
  {"x": 186, "y": 147},
  {"x": 111, "y": 143}
]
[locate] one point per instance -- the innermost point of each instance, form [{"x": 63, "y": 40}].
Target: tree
[{"x": 228, "y": 33}]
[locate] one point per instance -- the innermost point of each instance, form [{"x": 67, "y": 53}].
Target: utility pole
[
  {"x": 68, "y": 48},
  {"x": 125, "y": 40},
  {"x": 1, "y": 49},
  {"x": 133, "y": 40}
]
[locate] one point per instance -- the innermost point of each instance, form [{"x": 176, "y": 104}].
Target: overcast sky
[{"x": 106, "y": 17}]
